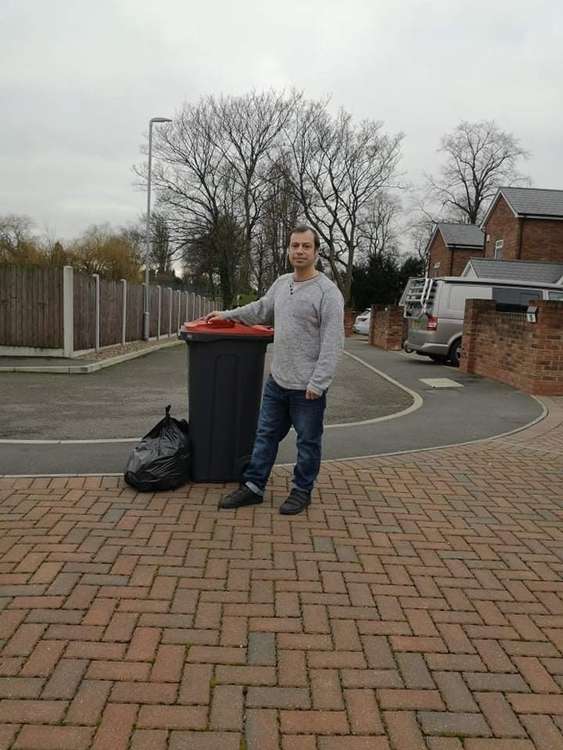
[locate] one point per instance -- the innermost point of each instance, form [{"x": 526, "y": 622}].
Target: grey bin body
[{"x": 225, "y": 375}]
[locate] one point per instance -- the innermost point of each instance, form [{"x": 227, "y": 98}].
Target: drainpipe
[{"x": 452, "y": 260}]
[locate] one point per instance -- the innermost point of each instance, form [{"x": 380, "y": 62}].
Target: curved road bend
[{"x": 428, "y": 417}]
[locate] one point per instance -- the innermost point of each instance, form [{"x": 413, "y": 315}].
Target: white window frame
[{"x": 499, "y": 244}]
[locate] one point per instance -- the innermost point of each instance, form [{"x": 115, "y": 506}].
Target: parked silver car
[
  {"x": 435, "y": 309},
  {"x": 362, "y": 322}
]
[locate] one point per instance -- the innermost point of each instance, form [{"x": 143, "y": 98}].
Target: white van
[{"x": 435, "y": 308}]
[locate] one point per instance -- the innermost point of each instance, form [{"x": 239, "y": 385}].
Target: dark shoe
[
  {"x": 239, "y": 498},
  {"x": 296, "y": 502}
]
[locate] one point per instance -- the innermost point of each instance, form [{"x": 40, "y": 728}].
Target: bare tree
[
  {"x": 188, "y": 173},
  {"x": 250, "y": 130},
  {"x": 420, "y": 222},
  {"x": 258, "y": 163},
  {"x": 378, "y": 226},
  {"x": 164, "y": 250},
  {"x": 479, "y": 158},
  {"x": 210, "y": 260},
  {"x": 214, "y": 176},
  {"x": 338, "y": 169},
  {"x": 280, "y": 214},
  {"x": 197, "y": 191}
]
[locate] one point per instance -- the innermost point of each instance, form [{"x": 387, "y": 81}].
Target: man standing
[{"x": 306, "y": 309}]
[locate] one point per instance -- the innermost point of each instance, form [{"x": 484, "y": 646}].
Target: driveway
[{"x": 417, "y": 605}]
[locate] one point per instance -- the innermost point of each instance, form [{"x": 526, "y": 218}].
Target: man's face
[{"x": 302, "y": 253}]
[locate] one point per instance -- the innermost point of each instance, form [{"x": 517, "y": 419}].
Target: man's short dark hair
[{"x": 300, "y": 228}]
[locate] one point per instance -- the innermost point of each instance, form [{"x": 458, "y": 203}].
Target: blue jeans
[{"x": 282, "y": 408}]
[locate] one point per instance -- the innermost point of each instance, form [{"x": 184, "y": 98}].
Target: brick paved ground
[{"x": 418, "y": 605}]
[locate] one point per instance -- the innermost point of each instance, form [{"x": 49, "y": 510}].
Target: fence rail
[{"x": 60, "y": 311}]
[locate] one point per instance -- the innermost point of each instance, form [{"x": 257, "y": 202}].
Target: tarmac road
[{"x": 126, "y": 400}]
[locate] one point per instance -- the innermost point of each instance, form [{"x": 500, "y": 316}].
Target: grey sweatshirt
[{"x": 308, "y": 320}]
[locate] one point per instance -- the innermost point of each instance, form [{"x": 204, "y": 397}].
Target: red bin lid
[{"x": 226, "y": 328}]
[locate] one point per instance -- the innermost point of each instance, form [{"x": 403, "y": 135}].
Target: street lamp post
[{"x": 146, "y": 310}]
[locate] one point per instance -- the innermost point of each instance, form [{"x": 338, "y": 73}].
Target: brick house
[
  {"x": 451, "y": 246},
  {"x": 525, "y": 224}
]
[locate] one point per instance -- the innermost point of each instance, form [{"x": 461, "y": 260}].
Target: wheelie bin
[{"x": 225, "y": 374}]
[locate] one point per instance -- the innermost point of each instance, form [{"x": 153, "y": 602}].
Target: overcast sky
[{"x": 79, "y": 81}]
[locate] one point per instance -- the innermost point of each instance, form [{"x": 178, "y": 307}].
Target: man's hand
[
  {"x": 311, "y": 395},
  {"x": 214, "y": 315}
]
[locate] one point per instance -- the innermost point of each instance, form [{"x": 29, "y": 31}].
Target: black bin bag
[{"x": 161, "y": 461}]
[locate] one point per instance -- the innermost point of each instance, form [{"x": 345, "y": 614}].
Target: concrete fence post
[
  {"x": 97, "y": 334},
  {"x": 145, "y": 328},
  {"x": 169, "y": 310},
  {"x": 179, "y": 295},
  {"x": 68, "y": 311},
  {"x": 124, "y": 312},
  {"x": 187, "y": 313},
  {"x": 159, "y": 311}
]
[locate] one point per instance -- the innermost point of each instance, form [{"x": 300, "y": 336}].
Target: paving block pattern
[{"x": 418, "y": 605}]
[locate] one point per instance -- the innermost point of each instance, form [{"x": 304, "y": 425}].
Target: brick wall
[
  {"x": 388, "y": 327},
  {"x": 502, "y": 225},
  {"x": 524, "y": 239},
  {"x": 452, "y": 260},
  {"x": 542, "y": 239},
  {"x": 438, "y": 253},
  {"x": 504, "y": 346},
  {"x": 460, "y": 258},
  {"x": 349, "y": 318}
]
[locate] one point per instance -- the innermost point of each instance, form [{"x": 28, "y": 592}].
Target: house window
[{"x": 499, "y": 244}]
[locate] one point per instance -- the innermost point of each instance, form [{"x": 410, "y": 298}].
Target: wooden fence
[
  {"x": 31, "y": 307},
  {"x": 57, "y": 311},
  {"x": 84, "y": 317}
]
